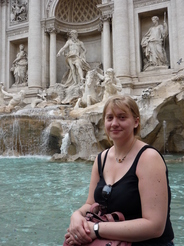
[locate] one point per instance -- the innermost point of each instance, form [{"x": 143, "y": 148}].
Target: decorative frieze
[
  {"x": 143, "y": 3},
  {"x": 23, "y": 30}
]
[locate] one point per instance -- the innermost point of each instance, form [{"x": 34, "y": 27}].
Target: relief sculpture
[{"x": 18, "y": 11}]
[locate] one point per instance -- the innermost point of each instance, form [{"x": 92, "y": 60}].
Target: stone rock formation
[{"x": 70, "y": 134}]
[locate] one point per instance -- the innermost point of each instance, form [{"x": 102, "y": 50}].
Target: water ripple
[{"x": 38, "y": 197}]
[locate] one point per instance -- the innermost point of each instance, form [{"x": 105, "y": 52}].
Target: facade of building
[
  {"x": 141, "y": 40},
  {"x": 111, "y": 31}
]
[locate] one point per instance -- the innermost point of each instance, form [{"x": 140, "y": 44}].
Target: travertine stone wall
[{"x": 112, "y": 39}]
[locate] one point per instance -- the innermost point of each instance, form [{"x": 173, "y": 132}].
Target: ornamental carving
[
  {"x": 143, "y": 3},
  {"x": 77, "y": 11},
  {"x": 4, "y": 1},
  {"x": 19, "y": 11}
]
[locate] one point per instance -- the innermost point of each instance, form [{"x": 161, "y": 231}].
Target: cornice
[
  {"x": 143, "y": 3},
  {"x": 13, "y": 31},
  {"x": 52, "y": 24}
]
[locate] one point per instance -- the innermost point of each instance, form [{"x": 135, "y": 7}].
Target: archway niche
[{"x": 145, "y": 23}]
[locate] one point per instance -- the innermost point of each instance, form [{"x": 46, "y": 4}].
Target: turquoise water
[{"x": 38, "y": 197}]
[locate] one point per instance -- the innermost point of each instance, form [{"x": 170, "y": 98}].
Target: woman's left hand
[
  {"x": 70, "y": 240},
  {"x": 74, "y": 240}
]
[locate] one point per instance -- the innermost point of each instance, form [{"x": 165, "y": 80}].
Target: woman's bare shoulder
[{"x": 150, "y": 160}]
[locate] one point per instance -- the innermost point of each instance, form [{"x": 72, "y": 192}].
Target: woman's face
[{"x": 119, "y": 124}]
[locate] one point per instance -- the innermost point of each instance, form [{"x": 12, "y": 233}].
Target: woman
[{"x": 131, "y": 178}]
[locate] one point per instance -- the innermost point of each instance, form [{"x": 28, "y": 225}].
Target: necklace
[{"x": 120, "y": 160}]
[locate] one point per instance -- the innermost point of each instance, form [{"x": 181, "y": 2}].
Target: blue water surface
[{"x": 38, "y": 197}]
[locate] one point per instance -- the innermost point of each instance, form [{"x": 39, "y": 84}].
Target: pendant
[{"x": 120, "y": 160}]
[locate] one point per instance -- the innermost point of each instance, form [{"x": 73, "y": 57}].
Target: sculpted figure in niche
[
  {"x": 20, "y": 66},
  {"x": 74, "y": 51},
  {"x": 92, "y": 89},
  {"x": 153, "y": 44},
  {"x": 17, "y": 99},
  {"x": 111, "y": 84}
]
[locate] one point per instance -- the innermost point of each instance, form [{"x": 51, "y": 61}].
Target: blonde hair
[{"x": 122, "y": 102}]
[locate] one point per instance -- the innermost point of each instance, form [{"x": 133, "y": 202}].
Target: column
[
  {"x": 132, "y": 45},
  {"x": 106, "y": 43},
  {"x": 121, "y": 40},
  {"x": 180, "y": 28},
  {"x": 107, "y": 9},
  {"x": 34, "y": 45},
  {"x": 172, "y": 24},
  {"x": 52, "y": 57},
  {"x": 45, "y": 56},
  {"x": 3, "y": 42}
]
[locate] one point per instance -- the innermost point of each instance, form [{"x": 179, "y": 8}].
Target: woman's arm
[
  {"x": 151, "y": 172},
  {"x": 78, "y": 224}
]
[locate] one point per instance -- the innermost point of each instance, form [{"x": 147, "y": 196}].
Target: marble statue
[
  {"x": 20, "y": 66},
  {"x": 153, "y": 44},
  {"x": 74, "y": 51},
  {"x": 17, "y": 99},
  {"x": 146, "y": 94},
  {"x": 92, "y": 89},
  {"x": 41, "y": 97},
  {"x": 111, "y": 84},
  {"x": 18, "y": 11},
  {"x": 1, "y": 96},
  {"x": 46, "y": 98}
]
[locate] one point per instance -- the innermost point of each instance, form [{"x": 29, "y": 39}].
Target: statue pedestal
[{"x": 155, "y": 68}]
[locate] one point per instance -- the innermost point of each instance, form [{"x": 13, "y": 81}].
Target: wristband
[{"x": 96, "y": 228}]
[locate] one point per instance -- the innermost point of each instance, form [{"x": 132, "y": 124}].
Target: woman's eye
[{"x": 109, "y": 117}]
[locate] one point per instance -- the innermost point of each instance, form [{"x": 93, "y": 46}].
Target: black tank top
[{"x": 125, "y": 197}]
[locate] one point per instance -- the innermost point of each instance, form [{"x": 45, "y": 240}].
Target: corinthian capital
[
  {"x": 51, "y": 30},
  {"x": 4, "y": 1},
  {"x": 106, "y": 17}
]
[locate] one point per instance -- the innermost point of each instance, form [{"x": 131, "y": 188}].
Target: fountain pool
[{"x": 38, "y": 197}]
